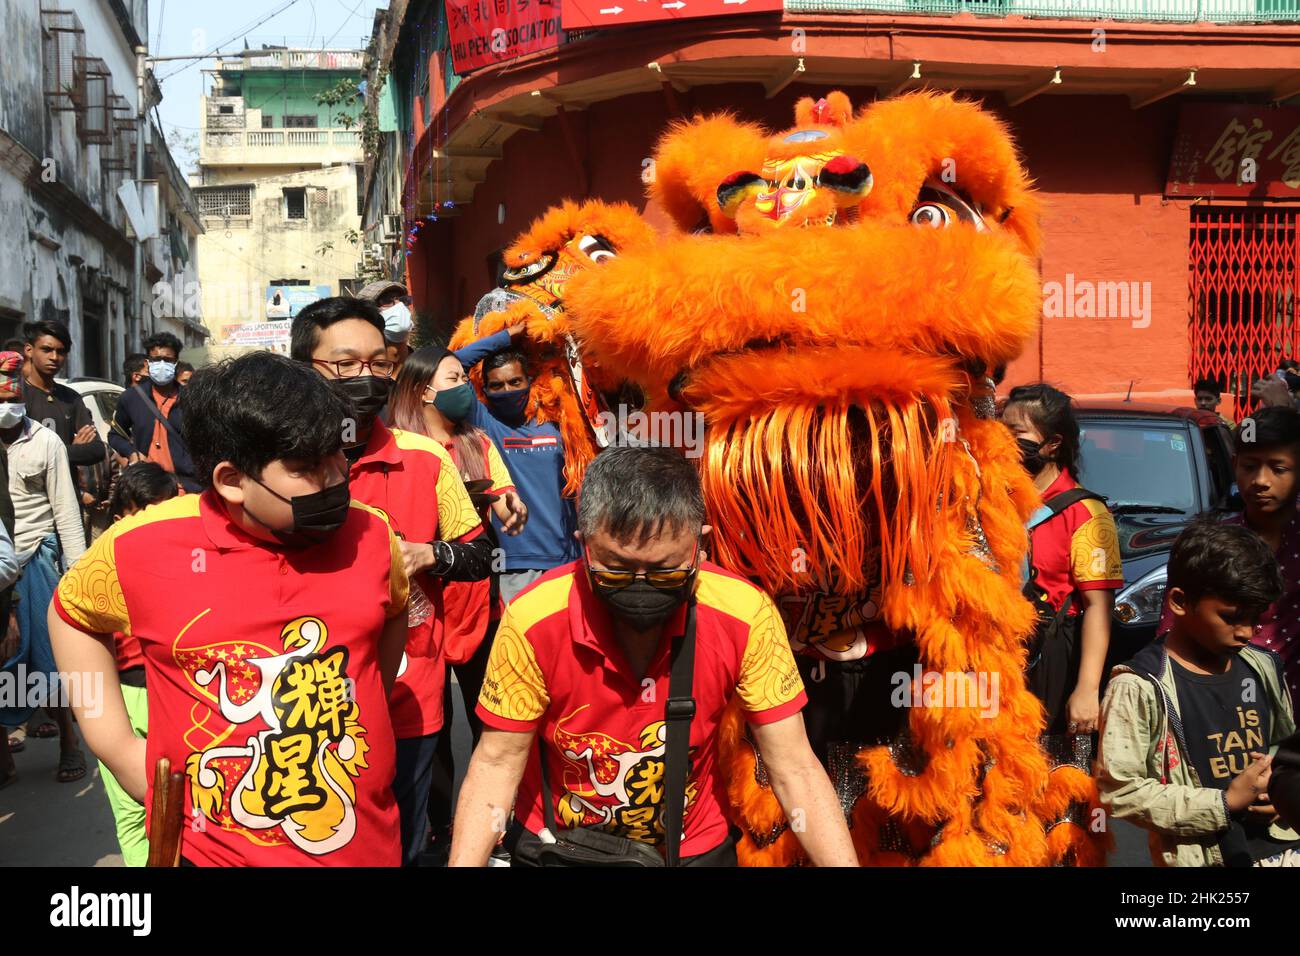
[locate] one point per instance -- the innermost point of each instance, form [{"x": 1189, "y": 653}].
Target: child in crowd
[{"x": 1187, "y": 724}]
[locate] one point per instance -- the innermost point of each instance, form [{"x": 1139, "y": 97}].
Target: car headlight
[{"x": 1142, "y": 601}]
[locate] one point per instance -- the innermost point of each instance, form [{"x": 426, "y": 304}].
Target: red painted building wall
[{"x": 1100, "y": 165}]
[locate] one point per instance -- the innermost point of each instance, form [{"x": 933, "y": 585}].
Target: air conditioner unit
[{"x": 392, "y": 230}]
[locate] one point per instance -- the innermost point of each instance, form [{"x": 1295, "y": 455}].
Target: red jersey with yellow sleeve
[
  {"x": 555, "y": 667},
  {"x": 468, "y": 604},
  {"x": 1078, "y": 549},
  {"x": 262, "y": 669},
  {"x": 412, "y": 480}
]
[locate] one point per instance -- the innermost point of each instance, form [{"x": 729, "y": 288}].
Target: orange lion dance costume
[
  {"x": 830, "y": 305},
  {"x": 565, "y": 241}
]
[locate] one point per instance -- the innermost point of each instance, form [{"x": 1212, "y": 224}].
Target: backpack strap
[
  {"x": 1054, "y": 505},
  {"x": 1048, "y": 510}
]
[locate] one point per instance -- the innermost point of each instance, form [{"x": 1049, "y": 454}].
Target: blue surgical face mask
[
  {"x": 397, "y": 322},
  {"x": 161, "y": 371}
]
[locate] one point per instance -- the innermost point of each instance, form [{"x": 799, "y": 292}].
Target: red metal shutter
[{"x": 1244, "y": 270}]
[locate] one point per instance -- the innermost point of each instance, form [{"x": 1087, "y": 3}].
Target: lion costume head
[
  {"x": 566, "y": 241},
  {"x": 831, "y": 304}
]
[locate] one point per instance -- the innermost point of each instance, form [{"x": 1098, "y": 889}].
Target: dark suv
[{"x": 1158, "y": 466}]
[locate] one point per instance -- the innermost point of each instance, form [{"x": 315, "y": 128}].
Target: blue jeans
[{"x": 411, "y": 784}]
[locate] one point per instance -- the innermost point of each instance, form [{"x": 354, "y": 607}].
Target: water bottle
[{"x": 418, "y": 607}]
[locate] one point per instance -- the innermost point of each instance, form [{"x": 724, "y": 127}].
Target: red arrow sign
[{"x": 585, "y": 14}]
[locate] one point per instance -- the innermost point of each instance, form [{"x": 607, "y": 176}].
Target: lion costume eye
[
  {"x": 938, "y": 206},
  {"x": 932, "y": 215},
  {"x": 597, "y": 248},
  {"x": 531, "y": 271}
]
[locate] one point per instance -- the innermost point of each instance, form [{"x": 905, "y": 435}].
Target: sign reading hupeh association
[
  {"x": 486, "y": 32},
  {"x": 1228, "y": 150}
]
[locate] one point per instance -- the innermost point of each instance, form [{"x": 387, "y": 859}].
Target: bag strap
[
  {"x": 1048, "y": 510},
  {"x": 1054, "y": 505},
  {"x": 678, "y": 714},
  {"x": 148, "y": 403}
]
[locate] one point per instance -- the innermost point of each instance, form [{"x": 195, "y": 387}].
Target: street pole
[{"x": 136, "y": 324}]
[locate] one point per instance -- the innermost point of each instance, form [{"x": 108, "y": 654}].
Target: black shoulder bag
[{"x": 589, "y": 846}]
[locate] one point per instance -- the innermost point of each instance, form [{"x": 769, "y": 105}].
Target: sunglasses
[{"x": 665, "y": 579}]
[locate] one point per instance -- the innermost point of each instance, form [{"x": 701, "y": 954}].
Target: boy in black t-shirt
[{"x": 1188, "y": 723}]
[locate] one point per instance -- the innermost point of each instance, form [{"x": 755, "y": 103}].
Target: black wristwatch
[{"x": 443, "y": 557}]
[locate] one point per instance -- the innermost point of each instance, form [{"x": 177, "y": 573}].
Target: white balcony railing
[
  {"x": 308, "y": 137},
  {"x": 277, "y": 138},
  {"x": 280, "y": 145},
  {"x": 293, "y": 60}
]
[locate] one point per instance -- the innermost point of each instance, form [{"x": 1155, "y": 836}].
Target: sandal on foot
[
  {"x": 45, "y": 730},
  {"x": 72, "y": 767}
]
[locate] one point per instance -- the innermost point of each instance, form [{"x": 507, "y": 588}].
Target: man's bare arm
[
  {"x": 101, "y": 712},
  {"x": 805, "y": 792},
  {"x": 488, "y": 794}
]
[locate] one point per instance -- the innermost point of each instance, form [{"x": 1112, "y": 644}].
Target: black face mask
[
  {"x": 315, "y": 516},
  {"x": 1031, "y": 455},
  {"x": 366, "y": 393},
  {"x": 641, "y": 605}
]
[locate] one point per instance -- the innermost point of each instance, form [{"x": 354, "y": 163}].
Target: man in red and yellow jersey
[
  {"x": 582, "y": 658},
  {"x": 412, "y": 480},
  {"x": 271, "y": 613}
]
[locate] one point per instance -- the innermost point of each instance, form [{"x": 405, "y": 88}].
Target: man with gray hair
[{"x": 619, "y": 662}]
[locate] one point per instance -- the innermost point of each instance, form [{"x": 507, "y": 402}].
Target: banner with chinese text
[{"x": 1232, "y": 151}]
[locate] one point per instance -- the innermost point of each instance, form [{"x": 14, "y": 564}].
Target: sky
[{"x": 178, "y": 27}]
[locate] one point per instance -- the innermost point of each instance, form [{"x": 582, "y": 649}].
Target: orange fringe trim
[{"x": 986, "y": 780}]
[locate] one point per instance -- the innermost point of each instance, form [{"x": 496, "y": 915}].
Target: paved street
[{"x": 46, "y": 823}]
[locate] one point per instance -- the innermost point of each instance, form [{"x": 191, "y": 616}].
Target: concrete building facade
[
  {"x": 67, "y": 143},
  {"x": 277, "y": 189}
]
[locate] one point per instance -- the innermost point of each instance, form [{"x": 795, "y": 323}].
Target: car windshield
[{"x": 1138, "y": 466}]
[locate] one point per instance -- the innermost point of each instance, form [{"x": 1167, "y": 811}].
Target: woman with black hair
[
  {"x": 433, "y": 397},
  {"x": 1074, "y": 562}
]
